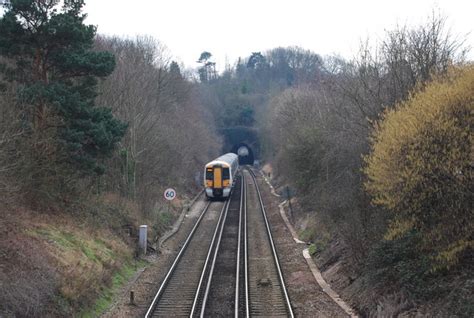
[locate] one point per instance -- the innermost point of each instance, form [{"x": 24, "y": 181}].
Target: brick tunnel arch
[{"x": 245, "y": 157}]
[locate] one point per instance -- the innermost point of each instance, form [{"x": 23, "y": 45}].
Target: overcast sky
[{"x": 230, "y": 28}]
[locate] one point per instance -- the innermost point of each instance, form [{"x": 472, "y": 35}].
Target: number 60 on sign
[{"x": 169, "y": 194}]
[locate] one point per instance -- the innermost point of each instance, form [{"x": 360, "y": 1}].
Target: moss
[
  {"x": 312, "y": 249},
  {"x": 317, "y": 247},
  {"x": 308, "y": 234}
]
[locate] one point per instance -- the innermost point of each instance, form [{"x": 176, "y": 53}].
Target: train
[{"x": 219, "y": 176}]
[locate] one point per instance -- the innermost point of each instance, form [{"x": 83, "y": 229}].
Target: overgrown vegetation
[
  {"x": 107, "y": 294},
  {"x": 315, "y": 117},
  {"x": 92, "y": 129},
  {"x": 170, "y": 134},
  {"x": 420, "y": 167},
  {"x": 419, "y": 162},
  {"x": 377, "y": 150},
  {"x": 49, "y": 59}
]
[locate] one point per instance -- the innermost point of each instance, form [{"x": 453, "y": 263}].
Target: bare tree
[{"x": 168, "y": 131}]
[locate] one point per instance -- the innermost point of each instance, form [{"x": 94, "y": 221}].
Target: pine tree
[{"x": 49, "y": 53}]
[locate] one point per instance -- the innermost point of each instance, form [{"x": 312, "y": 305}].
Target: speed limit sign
[{"x": 169, "y": 194}]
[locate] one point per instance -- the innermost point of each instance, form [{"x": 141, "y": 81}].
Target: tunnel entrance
[
  {"x": 245, "y": 139},
  {"x": 245, "y": 153}
]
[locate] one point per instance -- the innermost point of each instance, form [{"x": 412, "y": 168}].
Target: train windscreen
[
  {"x": 209, "y": 174},
  {"x": 225, "y": 173}
]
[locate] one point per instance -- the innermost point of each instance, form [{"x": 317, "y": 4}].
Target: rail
[
  {"x": 274, "y": 252},
  {"x": 175, "y": 263}
]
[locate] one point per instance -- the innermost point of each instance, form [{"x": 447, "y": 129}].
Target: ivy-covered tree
[{"x": 47, "y": 51}]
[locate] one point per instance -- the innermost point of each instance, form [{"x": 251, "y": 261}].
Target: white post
[{"x": 142, "y": 238}]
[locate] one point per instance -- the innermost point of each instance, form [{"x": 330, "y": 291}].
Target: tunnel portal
[
  {"x": 245, "y": 153},
  {"x": 242, "y": 141}
]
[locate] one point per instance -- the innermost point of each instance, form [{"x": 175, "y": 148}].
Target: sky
[{"x": 230, "y": 29}]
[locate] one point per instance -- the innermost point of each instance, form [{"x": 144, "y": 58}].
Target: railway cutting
[{"x": 233, "y": 272}]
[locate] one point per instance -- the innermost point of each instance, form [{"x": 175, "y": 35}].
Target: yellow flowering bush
[{"x": 421, "y": 166}]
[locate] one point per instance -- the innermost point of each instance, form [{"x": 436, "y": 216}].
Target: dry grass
[
  {"x": 53, "y": 265},
  {"x": 27, "y": 275},
  {"x": 85, "y": 261}
]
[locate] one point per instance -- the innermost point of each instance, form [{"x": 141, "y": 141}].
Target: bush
[
  {"x": 399, "y": 263},
  {"x": 400, "y": 267},
  {"x": 420, "y": 167}
]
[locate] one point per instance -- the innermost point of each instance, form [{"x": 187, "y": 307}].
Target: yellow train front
[{"x": 219, "y": 175}]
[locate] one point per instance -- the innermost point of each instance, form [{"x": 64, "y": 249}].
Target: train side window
[
  {"x": 209, "y": 175},
  {"x": 225, "y": 173}
]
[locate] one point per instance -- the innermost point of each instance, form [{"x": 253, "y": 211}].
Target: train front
[{"x": 218, "y": 181}]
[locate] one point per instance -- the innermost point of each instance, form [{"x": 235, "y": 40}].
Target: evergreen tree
[
  {"x": 175, "y": 70},
  {"x": 207, "y": 71},
  {"x": 255, "y": 60},
  {"x": 48, "y": 52}
]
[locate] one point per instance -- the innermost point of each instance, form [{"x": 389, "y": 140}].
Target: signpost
[{"x": 169, "y": 195}]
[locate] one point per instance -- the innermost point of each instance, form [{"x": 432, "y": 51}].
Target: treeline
[
  {"x": 170, "y": 135},
  {"x": 82, "y": 115},
  {"x": 397, "y": 196},
  {"x": 327, "y": 126},
  {"x": 377, "y": 150}
]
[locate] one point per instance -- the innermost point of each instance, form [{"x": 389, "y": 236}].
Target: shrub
[
  {"x": 398, "y": 262},
  {"x": 420, "y": 166}
]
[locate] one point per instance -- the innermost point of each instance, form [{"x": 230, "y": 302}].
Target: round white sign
[{"x": 169, "y": 194}]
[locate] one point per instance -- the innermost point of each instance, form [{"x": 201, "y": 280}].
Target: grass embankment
[
  {"x": 107, "y": 295},
  {"x": 70, "y": 264},
  {"x": 91, "y": 265}
]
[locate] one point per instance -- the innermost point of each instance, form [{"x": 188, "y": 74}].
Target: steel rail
[
  {"x": 175, "y": 263},
  {"x": 216, "y": 251},
  {"x": 243, "y": 209},
  {"x": 220, "y": 224},
  {"x": 246, "y": 259},
  {"x": 209, "y": 281},
  {"x": 274, "y": 252}
]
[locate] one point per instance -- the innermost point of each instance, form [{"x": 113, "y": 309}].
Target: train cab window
[
  {"x": 209, "y": 174},
  {"x": 225, "y": 173}
]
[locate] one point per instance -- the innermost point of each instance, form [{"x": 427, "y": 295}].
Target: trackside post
[{"x": 142, "y": 238}]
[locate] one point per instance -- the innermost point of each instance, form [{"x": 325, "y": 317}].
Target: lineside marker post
[
  {"x": 132, "y": 297},
  {"x": 142, "y": 238}
]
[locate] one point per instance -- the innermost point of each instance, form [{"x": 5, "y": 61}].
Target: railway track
[
  {"x": 220, "y": 295},
  {"x": 176, "y": 295},
  {"x": 233, "y": 272},
  {"x": 266, "y": 285}
]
